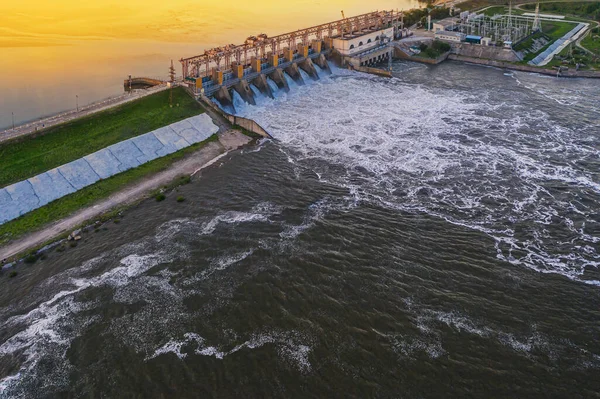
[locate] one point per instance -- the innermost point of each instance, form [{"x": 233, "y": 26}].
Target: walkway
[{"x": 53, "y": 120}]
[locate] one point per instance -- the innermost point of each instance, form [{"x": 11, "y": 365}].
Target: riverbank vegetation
[
  {"x": 436, "y": 49},
  {"x": 592, "y": 41},
  {"x": 587, "y": 10},
  {"x": 29, "y": 156}
]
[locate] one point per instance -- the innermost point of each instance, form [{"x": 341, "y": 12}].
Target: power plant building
[{"x": 358, "y": 42}]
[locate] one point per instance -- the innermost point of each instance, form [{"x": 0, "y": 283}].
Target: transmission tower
[
  {"x": 537, "y": 25},
  {"x": 171, "y": 81}
]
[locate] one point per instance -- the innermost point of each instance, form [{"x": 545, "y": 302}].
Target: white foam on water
[
  {"x": 273, "y": 85},
  {"x": 530, "y": 344},
  {"x": 259, "y": 213},
  {"x": 49, "y": 328},
  {"x": 307, "y": 79},
  {"x": 288, "y": 346},
  {"x": 459, "y": 156}
]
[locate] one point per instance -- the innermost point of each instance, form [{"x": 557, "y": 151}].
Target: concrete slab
[
  {"x": 172, "y": 141},
  {"x": 180, "y": 126},
  {"x": 49, "y": 186},
  {"x": 204, "y": 124},
  {"x": 193, "y": 136},
  {"x": 23, "y": 197},
  {"x": 104, "y": 163},
  {"x": 8, "y": 209},
  {"x": 79, "y": 173},
  {"x": 149, "y": 145},
  {"x": 127, "y": 154}
]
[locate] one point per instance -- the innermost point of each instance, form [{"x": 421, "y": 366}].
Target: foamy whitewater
[
  {"x": 472, "y": 158},
  {"x": 435, "y": 234}
]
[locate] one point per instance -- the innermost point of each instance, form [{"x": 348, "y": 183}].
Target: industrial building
[
  {"x": 456, "y": 37},
  {"x": 349, "y": 45}
]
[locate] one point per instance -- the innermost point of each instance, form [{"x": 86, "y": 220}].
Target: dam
[{"x": 265, "y": 61}]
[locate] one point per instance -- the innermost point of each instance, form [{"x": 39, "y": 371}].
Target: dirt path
[{"x": 191, "y": 164}]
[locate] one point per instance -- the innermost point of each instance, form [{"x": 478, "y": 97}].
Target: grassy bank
[
  {"x": 67, "y": 205},
  {"x": 58, "y": 145},
  {"x": 552, "y": 31},
  {"x": 592, "y": 41},
  {"x": 588, "y": 10}
]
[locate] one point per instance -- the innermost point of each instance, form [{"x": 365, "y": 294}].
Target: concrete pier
[
  {"x": 321, "y": 61},
  {"x": 308, "y": 67},
  {"x": 261, "y": 83},
  {"x": 278, "y": 77},
  {"x": 244, "y": 90},
  {"x": 294, "y": 73},
  {"x": 223, "y": 96}
]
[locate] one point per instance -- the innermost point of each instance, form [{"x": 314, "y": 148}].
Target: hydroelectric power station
[{"x": 356, "y": 42}]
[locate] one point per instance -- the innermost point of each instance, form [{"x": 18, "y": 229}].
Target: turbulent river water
[{"x": 431, "y": 235}]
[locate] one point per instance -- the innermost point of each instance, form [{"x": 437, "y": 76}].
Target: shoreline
[
  {"x": 524, "y": 68},
  {"x": 132, "y": 194}
]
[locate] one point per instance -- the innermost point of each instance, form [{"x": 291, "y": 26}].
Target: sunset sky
[
  {"x": 55, "y": 50},
  {"x": 43, "y": 23}
]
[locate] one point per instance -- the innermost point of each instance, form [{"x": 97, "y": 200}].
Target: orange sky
[
  {"x": 43, "y": 22},
  {"x": 53, "y": 50}
]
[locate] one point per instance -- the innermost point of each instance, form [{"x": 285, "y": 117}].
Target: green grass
[
  {"x": 490, "y": 12},
  {"x": 588, "y": 10},
  {"x": 67, "y": 205},
  {"x": 552, "y": 30},
  {"x": 58, "y": 145},
  {"x": 592, "y": 41},
  {"x": 571, "y": 55},
  {"x": 556, "y": 29}
]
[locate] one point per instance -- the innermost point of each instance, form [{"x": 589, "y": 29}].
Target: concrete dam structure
[{"x": 267, "y": 62}]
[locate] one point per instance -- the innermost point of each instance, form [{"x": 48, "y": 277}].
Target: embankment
[
  {"x": 244, "y": 123},
  {"x": 525, "y": 68},
  {"x": 190, "y": 164}
]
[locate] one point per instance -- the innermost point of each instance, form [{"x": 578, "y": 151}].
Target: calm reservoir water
[{"x": 431, "y": 235}]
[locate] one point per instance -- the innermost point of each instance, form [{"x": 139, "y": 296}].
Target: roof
[
  {"x": 473, "y": 37},
  {"x": 448, "y": 33},
  {"x": 446, "y": 22}
]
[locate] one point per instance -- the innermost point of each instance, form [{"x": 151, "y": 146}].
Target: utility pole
[
  {"x": 13, "y": 119},
  {"x": 172, "y": 81},
  {"x": 77, "y": 101}
]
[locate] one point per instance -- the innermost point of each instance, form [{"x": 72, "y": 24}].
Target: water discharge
[
  {"x": 441, "y": 226},
  {"x": 484, "y": 160}
]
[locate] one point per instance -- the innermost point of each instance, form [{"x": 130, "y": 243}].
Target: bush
[
  {"x": 31, "y": 258},
  {"x": 160, "y": 197},
  {"x": 423, "y": 47},
  {"x": 441, "y": 46},
  {"x": 13, "y": 274},
  {"x": 180, "y": 199}
]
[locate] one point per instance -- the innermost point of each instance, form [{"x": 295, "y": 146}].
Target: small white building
[
  {"x": 361, "y": 41},
  {"x": 508, "y": 45},
  {"x": 444, "y": 24},
  {"x": 456, "y": 37},
  {"x": 486, "y": 41}
]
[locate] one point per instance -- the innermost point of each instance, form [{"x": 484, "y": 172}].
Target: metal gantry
[{"x": 259, "y": 46}]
